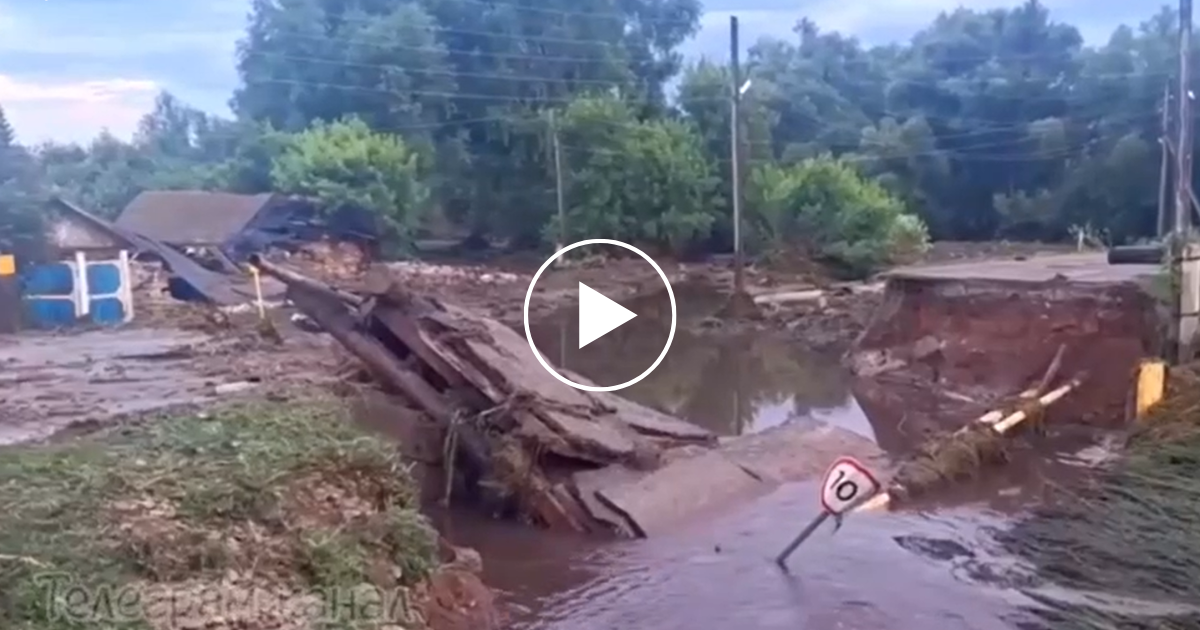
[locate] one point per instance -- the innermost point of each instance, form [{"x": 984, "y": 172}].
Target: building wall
[{"x": 69, "y": 234}]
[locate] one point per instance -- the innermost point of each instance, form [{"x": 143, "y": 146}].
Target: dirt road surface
[{"x": 90, "y": 378}]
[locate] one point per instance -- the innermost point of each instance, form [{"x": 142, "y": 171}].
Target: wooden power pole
[
  {"x": 1183, "y": 254},
  {"x": 558, "y": 185},
  {"x": 1184, "y": 145},
  {"x": 1164, "y": 176},
  {"x": 735, "y": 70}
]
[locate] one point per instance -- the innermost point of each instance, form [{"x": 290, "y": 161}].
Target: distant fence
[{"x": 74, "y": 291}]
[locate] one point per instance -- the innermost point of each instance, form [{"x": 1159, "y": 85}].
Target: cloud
[
  {"x": 75, "y": 111},
  {"x": 74, "y": 67}
]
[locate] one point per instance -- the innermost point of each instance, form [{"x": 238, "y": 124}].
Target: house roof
[
  {"x": 66, "y": 209},
  {"x": 218, "y": 287},
  {"x": 191, "y": 217}
]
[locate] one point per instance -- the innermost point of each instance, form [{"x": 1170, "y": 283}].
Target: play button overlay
[
  {"x": 604, "y": 338},
  {"x": 599, "y": 315}
]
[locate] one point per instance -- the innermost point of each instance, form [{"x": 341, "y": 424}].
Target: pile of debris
[
  {"x": 419, "y": 271},
  {"x": 509, "y": 427},
  {"x": 330, "y": 261}
]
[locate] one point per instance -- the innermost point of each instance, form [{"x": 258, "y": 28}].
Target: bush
[
  {"x": 827, "y": 209},
  {"x": 347, "y": 167}
]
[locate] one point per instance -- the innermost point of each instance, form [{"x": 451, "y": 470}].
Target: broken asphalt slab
[{"x": 708, "y": 481}]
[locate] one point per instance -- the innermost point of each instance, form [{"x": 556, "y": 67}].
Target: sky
[{"x": 71, "y": 68}]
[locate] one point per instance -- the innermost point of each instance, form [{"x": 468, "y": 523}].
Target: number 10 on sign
[{"x": 847, "y": 485}]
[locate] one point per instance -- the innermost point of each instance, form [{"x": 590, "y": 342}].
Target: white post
[
  {"x": 1189, "y": 300},
  {"x": 83, "y": 301},
  {"x": 126, "y": 290}
]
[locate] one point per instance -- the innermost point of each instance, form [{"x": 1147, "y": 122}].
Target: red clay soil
[{"x": 996, "y": 338}]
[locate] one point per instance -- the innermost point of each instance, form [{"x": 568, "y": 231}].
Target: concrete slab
[
  {"x": 1088, "y": 267},
  {"x": 739, "y": 470}
]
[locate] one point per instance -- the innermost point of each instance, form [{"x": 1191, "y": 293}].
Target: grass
[
  {"x": 1134, "y": 533},
  {"x": 267, "y": 516}
]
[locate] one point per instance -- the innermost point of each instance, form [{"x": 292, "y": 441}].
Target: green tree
[
  {"x": 21, "y": 217},
  {"x": 473, "y": 82},
  {"x": 647, "y": 182},
  {"x": 103, "y": 176},
  {"x": 8, "y": 136},
  {"x": 828, "y": 209},
  {"x": 346, "y": 167}
]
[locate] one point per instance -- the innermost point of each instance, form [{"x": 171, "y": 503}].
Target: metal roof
[{"x": 191, "y": 217}]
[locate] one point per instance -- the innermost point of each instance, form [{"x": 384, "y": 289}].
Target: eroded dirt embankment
[{"x": 977, "y": 339}]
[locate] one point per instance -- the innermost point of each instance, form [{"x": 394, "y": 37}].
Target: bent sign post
[{"x": 847, "y": 485}]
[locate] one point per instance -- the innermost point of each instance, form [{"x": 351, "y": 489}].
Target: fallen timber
[
  {"x": 960, "y": 454},
  {"x": 564, "y": 458}
]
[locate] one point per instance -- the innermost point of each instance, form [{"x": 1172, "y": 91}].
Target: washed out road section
[{"x": 50, "y": 382}]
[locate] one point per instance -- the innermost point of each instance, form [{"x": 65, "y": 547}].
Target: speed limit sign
[{"x": 847, "y": 484}]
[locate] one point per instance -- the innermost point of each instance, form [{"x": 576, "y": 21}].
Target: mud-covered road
[{"x": 81, "y": 380}]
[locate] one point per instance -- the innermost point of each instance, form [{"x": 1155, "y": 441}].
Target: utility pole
[
  {"x": 1164, "y": 175},
  {"x": 558, "y": 184},
  {"x": 1184, "y": 145},
  {"x": 735, "y": 70},
  {"x": 1183, "y": 263}
]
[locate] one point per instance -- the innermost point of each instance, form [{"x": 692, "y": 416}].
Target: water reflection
[{"x": 729, "y": 384}]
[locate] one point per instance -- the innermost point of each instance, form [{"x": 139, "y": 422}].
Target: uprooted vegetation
[
  {"x": 262, "y": 516},
  {"x": 1133, "y": 533}
]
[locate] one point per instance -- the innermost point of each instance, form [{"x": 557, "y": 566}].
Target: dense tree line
[{"x": 985, "y": 124}]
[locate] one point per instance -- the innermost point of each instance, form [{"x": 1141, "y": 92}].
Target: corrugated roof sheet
[{"x": 191, "y": 217}]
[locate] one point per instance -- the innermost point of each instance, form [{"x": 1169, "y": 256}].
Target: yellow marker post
[
  {"x": 8, "y": 265},
  {"x": 258, "y": 292},
  {"x": 1151, "y": 386}
]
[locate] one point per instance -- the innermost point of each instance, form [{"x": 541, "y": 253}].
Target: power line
[
  {"x": 605, "y": 15},
  {"x": 608, "y": 44},
  {"x": 956, "y": 154}
]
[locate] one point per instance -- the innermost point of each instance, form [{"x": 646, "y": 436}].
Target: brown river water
[{"x": 911, "y": 571}]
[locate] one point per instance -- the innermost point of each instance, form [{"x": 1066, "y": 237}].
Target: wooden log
[
  {"x": 502, "y": 409},
  {"x": 1136, "y": 254},
  {"x": 337, "y": 320},
  {"x": 883, "y": 500},
  {"x": 293, "y": 279},
  {"x": 410, "y": 335},
  {"x": 335, "y": 317},
  {"x": 788, "y": 297},
  {"x": 992, "y": 417}
]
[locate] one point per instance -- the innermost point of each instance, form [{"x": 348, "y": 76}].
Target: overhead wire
[{"x": 535, "y": 98}]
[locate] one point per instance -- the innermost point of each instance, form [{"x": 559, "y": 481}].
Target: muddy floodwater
[
  {"x": 730, "y": 384},
  {"x": 912, "y": 571}
]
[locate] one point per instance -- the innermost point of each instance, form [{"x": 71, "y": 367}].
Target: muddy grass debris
[
  {"x": 253, "y": 516},
  {"x": 513, "y": 435},
  {"x": 965, "y": 453},
  {"x": 1130, "y": 534}
]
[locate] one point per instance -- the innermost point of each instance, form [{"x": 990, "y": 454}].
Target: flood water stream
[{"x": 895, "y": 571}]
